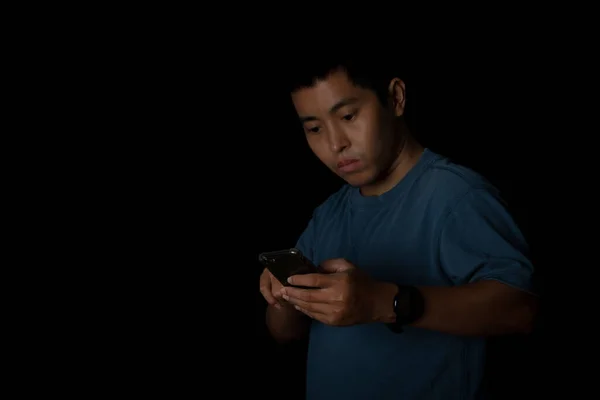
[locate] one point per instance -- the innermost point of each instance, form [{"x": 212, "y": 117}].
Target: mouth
[{"x": 348, "y": 165}]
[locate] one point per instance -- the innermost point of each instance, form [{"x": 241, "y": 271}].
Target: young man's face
[{"x": 347, "y": 128}]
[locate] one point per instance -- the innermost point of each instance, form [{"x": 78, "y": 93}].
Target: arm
[
  {"x": 284, "y": 322},
  {"x": 482, "y": 252},
  {"x": 482, "y": 308}
]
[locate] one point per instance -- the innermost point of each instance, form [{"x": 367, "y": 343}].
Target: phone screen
[{"x": 285, "y": 263}]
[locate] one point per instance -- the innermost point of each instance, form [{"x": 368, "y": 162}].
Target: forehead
[{"x": 326, "y": 93}]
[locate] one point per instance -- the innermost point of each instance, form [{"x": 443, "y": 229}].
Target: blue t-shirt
[{"x": 441, "y": 225}]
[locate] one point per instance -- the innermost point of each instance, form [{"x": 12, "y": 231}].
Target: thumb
[{"x": 336, "y": 265}]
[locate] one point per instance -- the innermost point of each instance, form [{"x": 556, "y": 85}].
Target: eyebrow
[{"x": 333, "y": 109}]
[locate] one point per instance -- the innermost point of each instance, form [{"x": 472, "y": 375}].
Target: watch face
[
  {"x": 409, "y": 305},
  {"x": 402, "y": 303}
]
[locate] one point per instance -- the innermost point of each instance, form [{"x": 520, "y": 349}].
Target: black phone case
[{"x": 285, "y": 263}]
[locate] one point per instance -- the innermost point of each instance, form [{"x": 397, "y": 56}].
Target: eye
[
  {"x": 314, "y": 129},
  {"x": 349, "y": 117}
]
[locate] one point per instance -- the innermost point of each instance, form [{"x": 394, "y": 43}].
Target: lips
[
  {"x": 348, "y": 165},
  {"x": 343, "y": 163}
]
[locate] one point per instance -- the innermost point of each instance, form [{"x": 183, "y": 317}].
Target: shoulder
[{"x": 446, "y": 184}]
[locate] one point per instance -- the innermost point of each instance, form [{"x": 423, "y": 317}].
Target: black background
[
  {"x": 219, "y": 171},
  {"x": 482, "y": 122}
]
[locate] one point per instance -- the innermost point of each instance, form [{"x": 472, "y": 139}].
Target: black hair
[{"x": 368, "y": 71}]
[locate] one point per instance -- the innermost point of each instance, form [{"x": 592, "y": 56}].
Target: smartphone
[{"x": 285, "y": 263}]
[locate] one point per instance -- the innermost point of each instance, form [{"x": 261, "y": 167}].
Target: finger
[
  {"x": 311, "y": 280},
  {"x": 308, "y": 295},
  {"x": 316, "y": 316},
  {"x": 278, "y": 296},
  {"x": 335, "y": 265},
  {"x": 265, "y": 290},
  {"x": 313, "y": 308}
]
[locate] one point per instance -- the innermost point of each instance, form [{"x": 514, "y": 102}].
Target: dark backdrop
[
  {"x": 221, "y": 172},
  {"x": 483, "y": 121}
]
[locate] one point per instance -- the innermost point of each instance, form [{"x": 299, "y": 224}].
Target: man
[{"x": 420, "y": 261}]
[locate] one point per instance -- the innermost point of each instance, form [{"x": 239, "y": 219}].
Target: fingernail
[
  {"x": 290, "y": 279},
  {"x": 285, "y": 296}
]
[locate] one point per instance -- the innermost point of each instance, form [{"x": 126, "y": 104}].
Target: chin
[{"x": 358, "y": 180}]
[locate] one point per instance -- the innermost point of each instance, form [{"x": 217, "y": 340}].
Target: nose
[{"x": 338, "y": 140}]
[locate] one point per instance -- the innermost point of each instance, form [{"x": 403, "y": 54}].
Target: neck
[{"x": 409, "y": 152}]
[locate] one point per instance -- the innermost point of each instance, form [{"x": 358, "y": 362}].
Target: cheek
[
  {"x": 368, "y": 139},
  {"x": 319, "y": 148}
]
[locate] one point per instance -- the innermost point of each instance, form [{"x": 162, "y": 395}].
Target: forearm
[
  {"x": 286, "y": 323},
  {"x": 480, "y": 309}
]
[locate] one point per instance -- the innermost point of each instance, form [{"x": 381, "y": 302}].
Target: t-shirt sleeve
[{"x": 481, "y": 241}]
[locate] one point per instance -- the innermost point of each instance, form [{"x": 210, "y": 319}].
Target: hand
[
  {"x": 343, "y": 295},
  {"x": 270, "y": 288}
]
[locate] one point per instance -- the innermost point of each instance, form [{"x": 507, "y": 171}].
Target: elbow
[
  {"x": 279, "y": 339},
  {"x": 525, "y": 317},
  {"x": 282, "y": 341},
  {"x": 284, "y": 338}
]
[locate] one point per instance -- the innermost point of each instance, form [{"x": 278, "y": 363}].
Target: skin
[{"x": 344, "y": 121}]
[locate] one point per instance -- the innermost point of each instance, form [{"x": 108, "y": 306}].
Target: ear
[{"x": 397, "y": 92}]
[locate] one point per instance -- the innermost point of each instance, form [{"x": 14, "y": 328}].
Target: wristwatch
[{"x": 409, "y": 306}]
